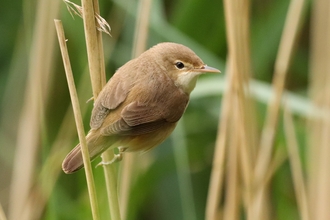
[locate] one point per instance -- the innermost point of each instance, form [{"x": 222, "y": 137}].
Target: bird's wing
[
  {"x": 114, "y": 93},
  {"x": 139, "y": 118}
]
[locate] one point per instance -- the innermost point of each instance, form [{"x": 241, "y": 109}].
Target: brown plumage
[{"x": 141, "y": 104}]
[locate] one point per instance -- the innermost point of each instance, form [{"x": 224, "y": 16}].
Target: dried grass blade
[
  {"x": 319, "y": 127},
  {"x": 217, "y": 174},
  {"x": 290, "y": 32},
  {"x": 102, "y": 24},
  {"x": 78, "y": 119},
  {"x": 296, "y": 167},
  {"x": 2, "y": 213}
]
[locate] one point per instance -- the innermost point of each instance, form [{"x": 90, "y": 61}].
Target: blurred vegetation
[{"x": 156, "y": 194}]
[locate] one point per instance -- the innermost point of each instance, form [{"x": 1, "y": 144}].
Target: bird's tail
[{"x": 96, "y": 145}]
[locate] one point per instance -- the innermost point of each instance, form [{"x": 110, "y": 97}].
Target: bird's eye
[{"x": 179, "y": 65}]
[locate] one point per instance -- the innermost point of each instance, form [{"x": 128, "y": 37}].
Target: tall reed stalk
[
  {"x": 97, "y": 72},
  {"x": 78, "y": 119},
  {"x": 319, "y": 125},
  {"x": 21, "y": 201},
  {"x": 249, "y": 167},
  {"x": 236, "y": 136},
  {"x": 284, "y": 56}
]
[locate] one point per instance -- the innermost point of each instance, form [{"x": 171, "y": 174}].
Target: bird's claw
[{"x": 117, "y": 157}]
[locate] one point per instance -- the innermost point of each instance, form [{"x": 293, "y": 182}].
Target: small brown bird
[{"x": 141, "y": 104}]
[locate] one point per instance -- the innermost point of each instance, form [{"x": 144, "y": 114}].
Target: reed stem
[{"x": 78, "y": 119}]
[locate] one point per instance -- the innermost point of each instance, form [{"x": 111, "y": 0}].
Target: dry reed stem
[
  {"x": 232, "y": 195},
  {"x": 128, "y": 170},
  {"x": 290, "y": 32},
  {"x": 320, "y": 193},
  {"x": 51, "y": 168},
  {"x": 2, "y": 213},
  {"x": 278, "y": 159},
  {"x": 78, "y": 119},
  {"x": 102, "y": 24},
  {"x": 239, "y": 54},
  {"x": 92, "y": 46},
  {"x": 130, "y": 167},
  {"x": 318, "y": 129},
  {"x": 296, "y": 167},
  {"x": 245, "y": 149},
  {"x": 28, "y": 135},
  {"x": 97, "y": 73},
  {"x": 236, "y": 105},
  {"x": 110, "y": 173},
  {"x": 320, "y": 210},
  {"x": 318, "y": 155},
  {"x": 141, "y": 28},
  {"x": 217, "y": 173}
]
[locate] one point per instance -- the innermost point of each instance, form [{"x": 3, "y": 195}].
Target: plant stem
[
  {"x": 284, "y": 56},
  {"x": 78, "y": 119},
  {"x": 97, "y": 73}
]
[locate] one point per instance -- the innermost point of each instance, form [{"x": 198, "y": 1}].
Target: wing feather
[
  {"x": 141, "y": 118},
  {"x": 112, "y": 95}
]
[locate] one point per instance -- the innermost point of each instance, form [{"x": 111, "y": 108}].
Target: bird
[{"x": 142, "y": 102}]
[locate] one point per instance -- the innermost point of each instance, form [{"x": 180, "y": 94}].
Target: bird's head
[{"x": 181, "y": 64}]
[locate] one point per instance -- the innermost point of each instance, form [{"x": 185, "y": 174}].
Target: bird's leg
[{"x": 117, "y": 157}]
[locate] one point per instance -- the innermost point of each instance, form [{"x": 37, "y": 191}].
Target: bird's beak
[{"x": 208, "y": 69}]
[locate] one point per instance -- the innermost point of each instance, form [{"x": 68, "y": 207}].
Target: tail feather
[{"x": 74, "y": 161}]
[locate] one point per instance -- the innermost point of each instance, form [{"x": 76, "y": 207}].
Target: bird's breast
[{"x": 147, "y": 141}]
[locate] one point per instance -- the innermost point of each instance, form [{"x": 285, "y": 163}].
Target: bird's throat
[{"x": 187, "y": 81}]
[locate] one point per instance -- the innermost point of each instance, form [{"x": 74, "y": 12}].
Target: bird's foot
[{"x": 117, "y": 158}]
